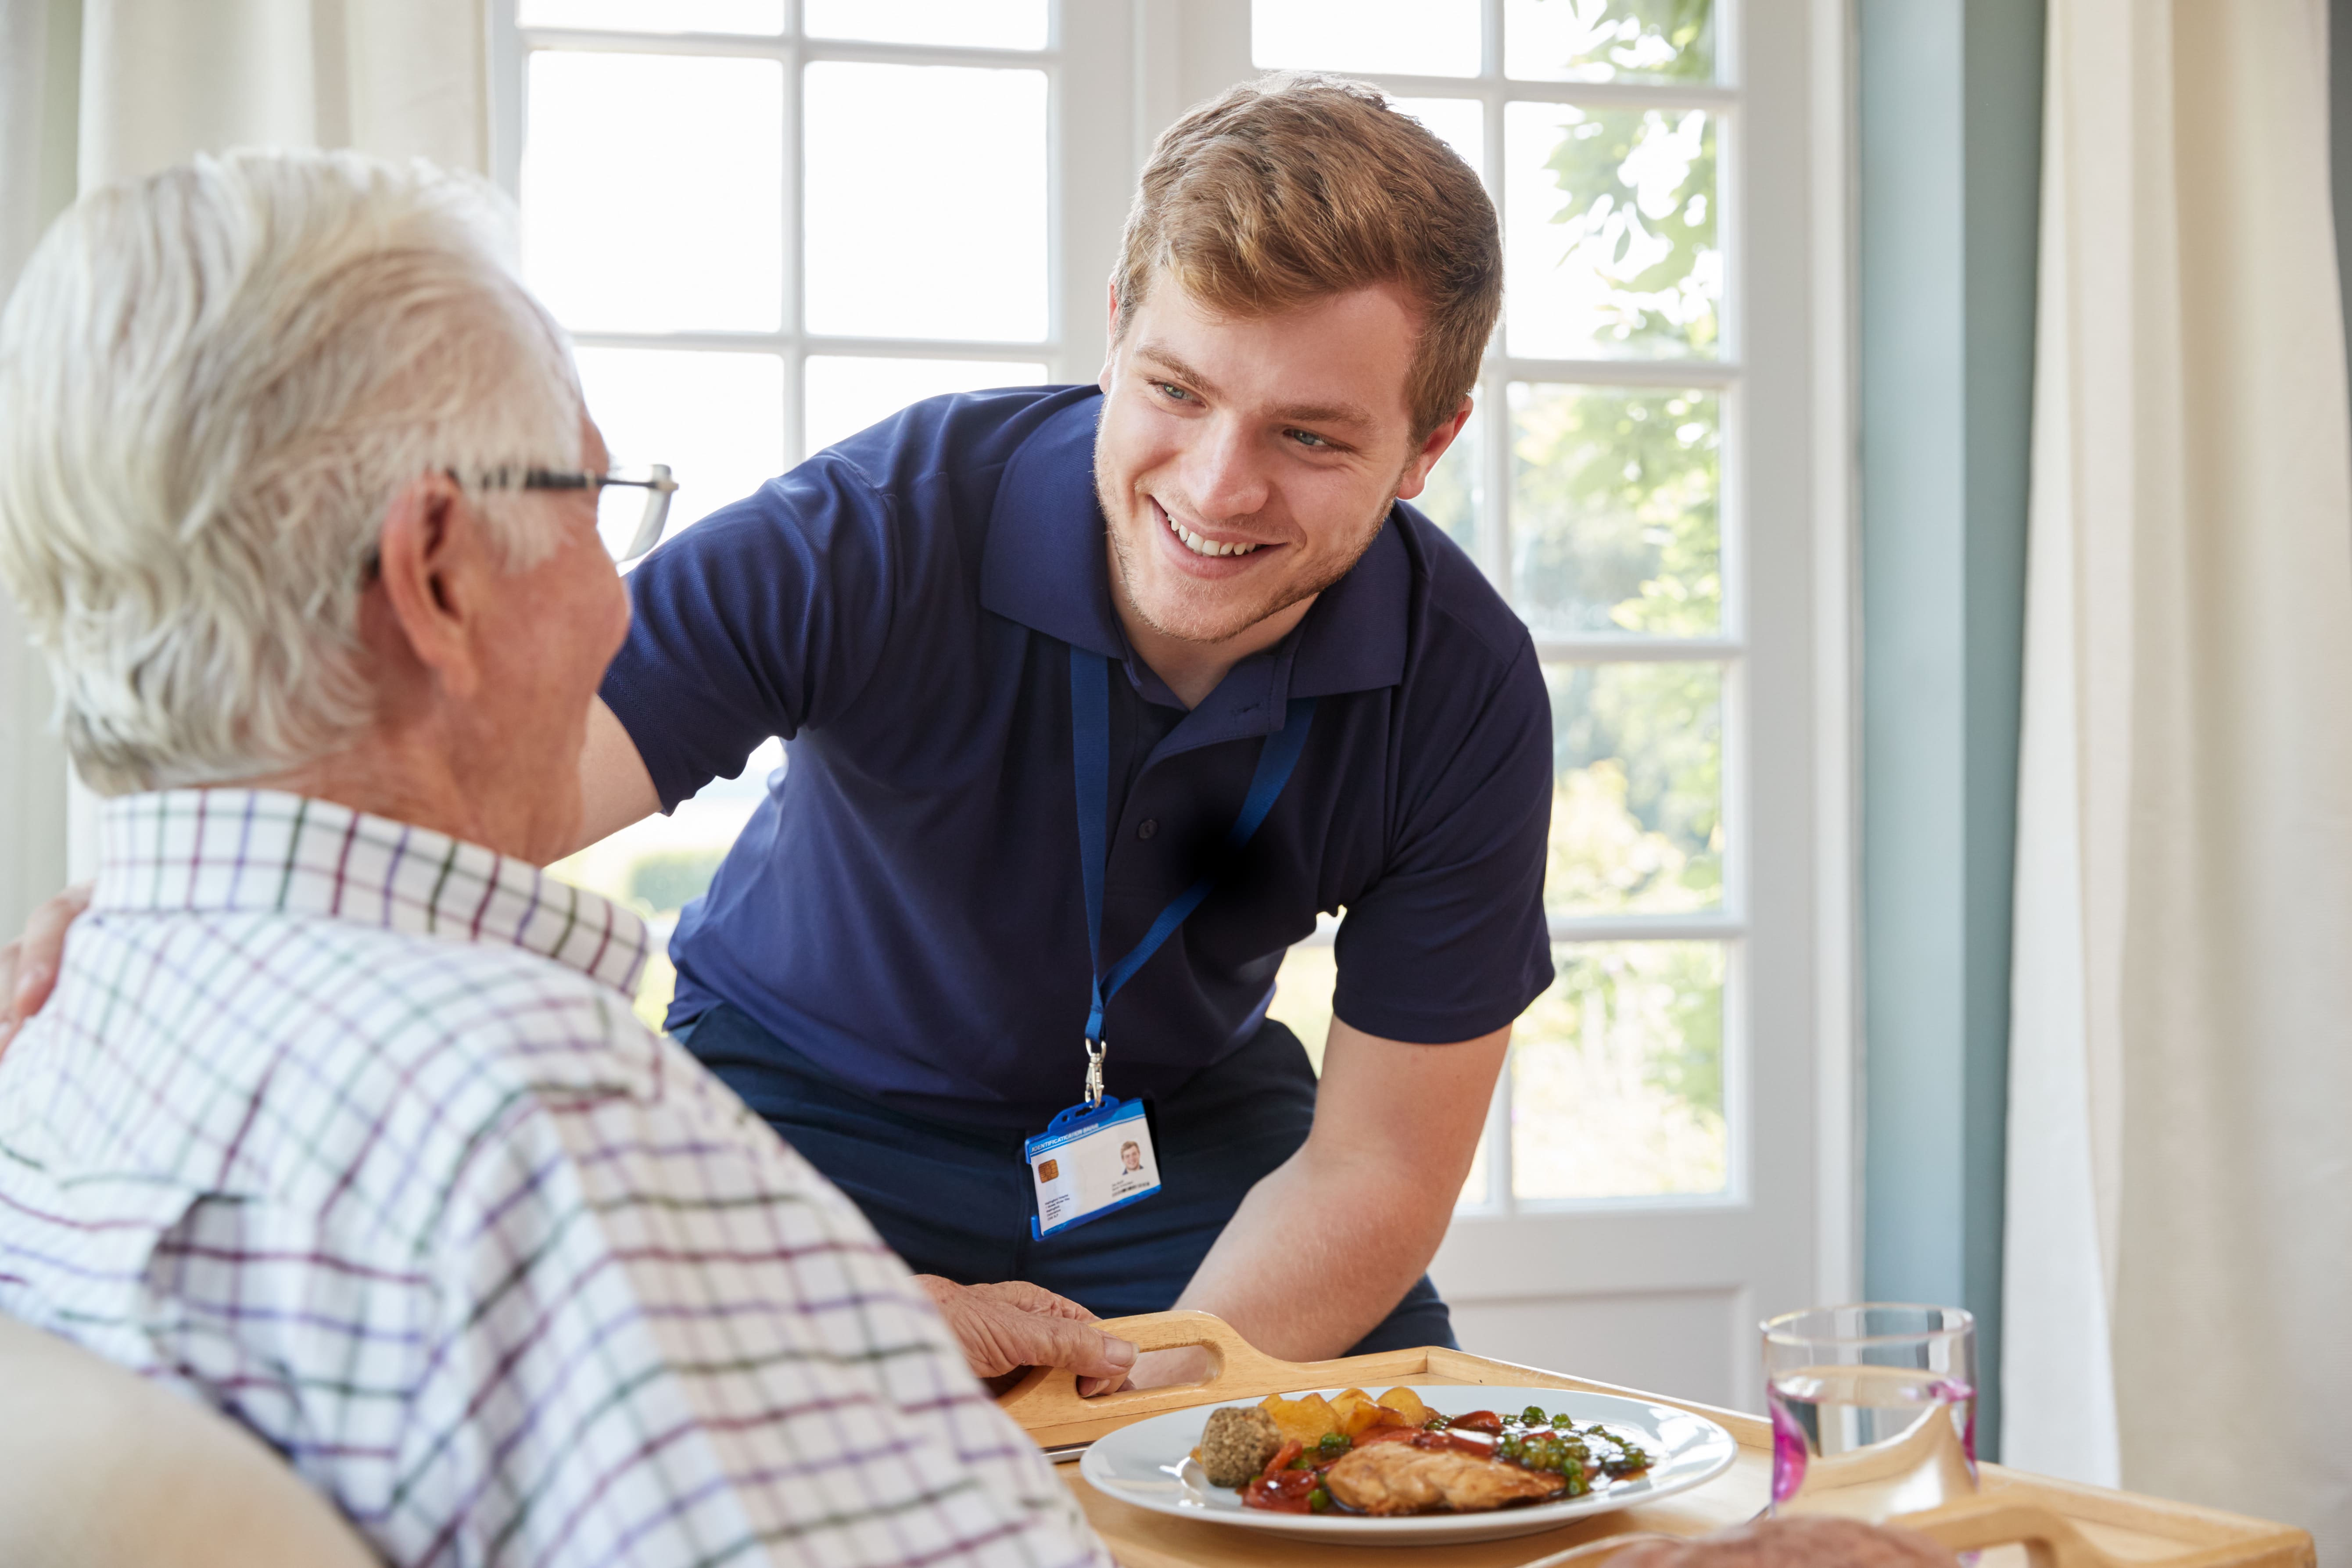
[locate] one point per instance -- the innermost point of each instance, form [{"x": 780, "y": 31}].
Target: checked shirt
[{"x": 345, "y": 1128}]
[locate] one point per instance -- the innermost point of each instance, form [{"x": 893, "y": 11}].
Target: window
[
  {"x": 1654, "y": 477},
  {"x": 1590, "y": 486},
  {"x": 742, "y": 222}
]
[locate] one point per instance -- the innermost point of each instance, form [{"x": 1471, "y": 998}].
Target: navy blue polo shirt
[{"x": 905, "y": 907}]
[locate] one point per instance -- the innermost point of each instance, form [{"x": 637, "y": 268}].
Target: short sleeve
[
  {"x": 1450, "y": 942},
  {"x": 766, "y": 616}
]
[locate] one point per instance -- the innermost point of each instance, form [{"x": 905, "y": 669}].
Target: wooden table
[{"x": 2017, "y": 1518}]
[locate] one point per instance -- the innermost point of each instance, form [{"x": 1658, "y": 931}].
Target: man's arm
[
  {"x": 615, "y": 788},
  {"x": 1326, "y": 1246}
]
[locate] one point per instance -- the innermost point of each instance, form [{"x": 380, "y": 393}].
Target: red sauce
[
  {"x": 1485, "y": 1421},
  {"x": 1388, "y": 1435},
  {"x": 1284, "y": 1491}
]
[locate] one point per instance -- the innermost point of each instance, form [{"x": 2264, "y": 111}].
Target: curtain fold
[
  {"x": 163, "y": 79},
  {"x": 2178, "y": 1295},
  {"x": 35, "y": 111}
]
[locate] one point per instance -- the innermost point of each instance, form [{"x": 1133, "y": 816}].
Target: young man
[
  {"x": 338, "y": 1119},
  {"x": 897, "y": 964}
]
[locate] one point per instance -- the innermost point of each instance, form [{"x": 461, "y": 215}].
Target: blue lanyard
[{"x": 1090, "y": 754}]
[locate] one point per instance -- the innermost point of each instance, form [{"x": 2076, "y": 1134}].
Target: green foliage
[
  {"x": 1669, "y": 995},
  {"x": 667, "y": 879},
  {"x": 1638, "y": 189},
  {"x": 1646, "y": 40},
  {"x": 1615, "y": 523}
]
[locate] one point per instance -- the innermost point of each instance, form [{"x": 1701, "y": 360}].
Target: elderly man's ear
[{"x": 437, "y": 573}]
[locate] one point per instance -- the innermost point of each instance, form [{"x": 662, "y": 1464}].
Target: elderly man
[{"x": 339, "y": 1120}]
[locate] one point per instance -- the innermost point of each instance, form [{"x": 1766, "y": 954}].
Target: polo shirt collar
[{"x": 1043, "y": 565}]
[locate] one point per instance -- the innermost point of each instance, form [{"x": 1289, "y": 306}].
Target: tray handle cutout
[{"x": 1048, "y": 1396}]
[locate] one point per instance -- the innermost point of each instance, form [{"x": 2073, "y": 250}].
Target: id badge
[{"x": 1089, "y": 1162}]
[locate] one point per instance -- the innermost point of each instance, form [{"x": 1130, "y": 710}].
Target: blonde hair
[
  {"x": 1297, "y": 186},
  {"x": 211, "y": 383}
]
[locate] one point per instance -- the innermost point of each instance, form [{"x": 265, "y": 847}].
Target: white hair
[{"x": 213, "y": 381}]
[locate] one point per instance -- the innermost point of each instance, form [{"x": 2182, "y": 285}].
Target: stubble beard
[{"x": 1283, "y": 596}]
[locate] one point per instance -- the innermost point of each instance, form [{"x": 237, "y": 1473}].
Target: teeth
[{"x": 1200, "y": 546}]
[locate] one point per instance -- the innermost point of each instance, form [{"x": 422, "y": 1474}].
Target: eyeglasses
[{"x": 627, "y": 528}]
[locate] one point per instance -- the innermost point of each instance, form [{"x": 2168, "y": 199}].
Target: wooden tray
[{"x": 2020, "y": 1517}]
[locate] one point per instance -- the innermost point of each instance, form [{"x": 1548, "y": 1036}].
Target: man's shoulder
[
  {"x": 333, "y": 1043},
  {"x": 1462, "y": 623},
  {"x": 959, "y": 441}
]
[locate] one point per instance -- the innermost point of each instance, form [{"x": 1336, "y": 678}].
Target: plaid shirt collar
[{"x": 247, "y": 851}]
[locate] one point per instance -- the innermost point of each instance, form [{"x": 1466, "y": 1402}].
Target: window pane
[
  {"x": 659, "y": 865},
  {"x": 717, "y": 420},
  {"x": 756, "y": 16},
  {"x": 1615, "y": 525},
  {"x": 653, "y": 192},
  {"x": 1609, "y": 41},
  {"x": 1302, "y": 994},
  {"x": 1416, "y": 38},
  {"x": 1637, "y": 790},
  {"x": 1459, "y": 122},
  {"x": 970, "y": 24},
  {"x": 1456, "y": 493},
  {"x": 1609, "y": 231},
  {"x": 909, "y": 235},
  {"x": 1477, "y": 1187},
  {"x": 1617, "y": 1075},
  {"x": 846, "y": 395}
]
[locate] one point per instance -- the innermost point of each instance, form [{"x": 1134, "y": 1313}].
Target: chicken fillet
[{"x": 1397, "y": 1477}]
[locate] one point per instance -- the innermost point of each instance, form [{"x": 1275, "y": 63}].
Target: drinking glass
[{"x": 1873, "y": 1409}]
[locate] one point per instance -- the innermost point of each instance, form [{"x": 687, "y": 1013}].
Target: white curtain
[
  {"x": 164, "y": 80},
  {"x": 2179, "y": 1312},
  {"x": 36, "y": 177}
]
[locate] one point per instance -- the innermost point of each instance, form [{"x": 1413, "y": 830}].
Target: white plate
[{"x": 1151, "y": 1464}]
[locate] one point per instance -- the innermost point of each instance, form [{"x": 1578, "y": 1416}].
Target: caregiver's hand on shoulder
[
  {"x": 1807, "y": 1543},
  {"x": 1006, "y": 1327},
  {"x": 28, "y": 965}
]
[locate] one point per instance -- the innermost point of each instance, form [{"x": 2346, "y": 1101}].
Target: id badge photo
[{"x": 1091, "y": 1160}]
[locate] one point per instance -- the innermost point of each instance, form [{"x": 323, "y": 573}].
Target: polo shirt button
[{"x": 1146, "y": 828}]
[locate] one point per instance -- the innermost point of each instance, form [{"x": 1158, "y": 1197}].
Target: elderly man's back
[{"x": 347, "y": 1127}]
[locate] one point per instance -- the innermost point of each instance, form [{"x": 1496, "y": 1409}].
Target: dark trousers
[{"x": 956, "y": 1201}]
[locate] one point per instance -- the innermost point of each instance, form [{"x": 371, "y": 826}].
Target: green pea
[{"x": 1318, "y": 1501}]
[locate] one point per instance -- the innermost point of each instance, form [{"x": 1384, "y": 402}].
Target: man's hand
[
  {"x": 1805, "y": 1542},
  {"x": 1006, "y": 1327},
  {"x": 28, "y": 965}
]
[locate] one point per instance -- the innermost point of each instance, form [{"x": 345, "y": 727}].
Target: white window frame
[
  {"x": 1785, "y": 1229},
  {"x": 1086, "y": 61}
]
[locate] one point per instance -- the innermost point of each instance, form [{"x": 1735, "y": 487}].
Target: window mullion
[{"x": 794, "y": 282}]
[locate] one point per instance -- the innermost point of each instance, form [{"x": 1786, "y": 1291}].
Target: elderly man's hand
[
  {"x": 1006, "y": 1327},
  {"x": 28, "y": 965},
  {"x": 1807, "y": 1542}
]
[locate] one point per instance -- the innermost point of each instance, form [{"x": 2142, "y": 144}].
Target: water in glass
[{"x": 1873, "y": 1409}]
